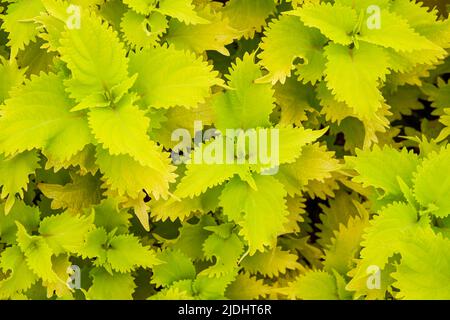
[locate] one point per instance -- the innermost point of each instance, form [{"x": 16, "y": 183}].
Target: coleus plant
[{"x": 92, "y": 90}]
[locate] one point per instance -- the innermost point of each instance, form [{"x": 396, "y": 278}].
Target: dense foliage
[{"x": 92, "y": 90}]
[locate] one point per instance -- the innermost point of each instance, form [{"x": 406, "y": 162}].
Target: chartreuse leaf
[
  {"x": 154, "y": 178},
  {"x": 19, "y": 24},
  {"x": 119, "y": 253},
  {"x": 180, "y": 290},
  {"x": 247, "y": 16},
  {"x": 313, "y": 68},
  {"x": 293, "y": 142},
  {"x": 61, "y": 265},
  {"x": 183, "y": 10},
  {"x": 207, "y": 288},
  {"x": 261, "y": 212},
  {"x": 386, "y": 231},
  {"x": 285, "y": 40},
  {"x": 364, "y": 286},
  {"x": 226, "y": 250},
  {"x": 223, "y": 231},
  {"x": 336, "y": 21},
  {"x": 88, "y": 3},
  {"x": 14, "y": 175},
  {"x": 82, "y": 192},
  {"x": 140, "y": 209},
  {"x": 38, "y": 254},
  {"x": 25, "y": 215},
  {"x": 395, "y": 33},
  {"x": 384, "y": 237},
  {"x": 283, "y": 148},
  {"x": 337, "y": 213},
  {"x": 35, "y": 59},
  {"x": 95, "y": 245},
  {"x": 65, "y": 232},
  {"x": 438, "y": 95},
  {"x": 322, "y": 189},
  {"x": 297, "y": 214},
  {"x": 270, "y": 263},
  {"x": 214, "y": 35},
  {"x": 445, "y": 120},
  {"x": 125, "y": 253},
  {"x": 405, "y": 62},
  {"x": 201, "y": 288},
  {"x": 141, "y": 6},
  {"x": 108, "y": 125},
  {"x": 109, "y": 216},
  {"x": 364, "y": 67},
  {"x": 95, "y": 57},
  {"x": 202, "y": 176},
  {"x": 249, "y": 104},
  {"x": 83, "y": 161},
  {"x": 107, "y": 286},
  {"x": 314, "y": 163},
  {"x": 424, "y": 270},
  {"x": 345, "y": 246},
  {"x": 38, "y": 116},
  {"x": 164, "y": 122},
  {"x": 174, "y": 208},
  {"x": 431, "y": 189},
  {"x": 424, "y": 21},
  {"x": 314, "y": 285},
  {"x": 113, "y": 11},
  {"x": 404, "y": 101},
  {"x": 141, "y": 31},
  {"x": 246, "y": 287},
  {"x": 11, "y": 76},
  {"x": 54, "y": 19},
  {"x": 21, "y": 277},
  {"x": 60, "y": 15},
  {"x": 169, "y": 78},
  {"x": 295, "y": 100},
  {"x": 175, "y": 267},
  {"x": 192, "y": 237},
  {"x": 396, "y": 164}
]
